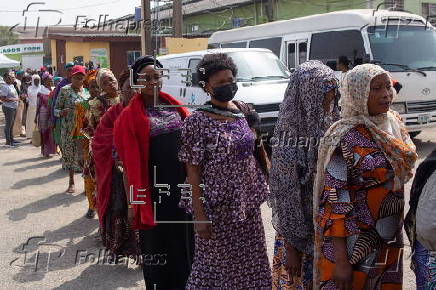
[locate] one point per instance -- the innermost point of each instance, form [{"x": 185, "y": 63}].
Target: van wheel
[{"x": 414, "y": 134}]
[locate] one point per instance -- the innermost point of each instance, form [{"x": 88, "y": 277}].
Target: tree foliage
[{"x": 7, "y": 37}]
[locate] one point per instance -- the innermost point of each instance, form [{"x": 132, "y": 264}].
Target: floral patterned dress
[
  {"x": 234, "y": 188},
  {"x": 359, "y": 204},
  {"x": 67, "y": 99}
]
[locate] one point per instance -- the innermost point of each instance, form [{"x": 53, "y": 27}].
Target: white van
[
  {"x": 403, "y": 43},
  {"x": 262, "y": 80}
]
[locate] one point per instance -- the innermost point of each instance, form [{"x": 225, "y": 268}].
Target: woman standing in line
[
  {"x": 69, "y": 96},
  {"x": 116, "y": 233},
  {"x": 363, "y": 163},
  {"x": 147, "y": 139},
  {"x": 217, "y": 148},
  {"x": 108, "y": 97},
  {"x": 83, "y": 139},
  {"x": 307, "y": 111},
  {"x": 43, "y": 115},
  {"x": 32, "y": 98}
]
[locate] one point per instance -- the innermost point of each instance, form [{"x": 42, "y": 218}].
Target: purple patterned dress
[{"x": 234, "y": 189}]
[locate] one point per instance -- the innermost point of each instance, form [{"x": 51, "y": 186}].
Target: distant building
[{"x": 115, "y": 51}]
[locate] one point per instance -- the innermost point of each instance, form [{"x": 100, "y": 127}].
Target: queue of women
[{"x": 337, "y": 206}]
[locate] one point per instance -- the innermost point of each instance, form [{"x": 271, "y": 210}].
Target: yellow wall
[
  {"x": 75, "y": 48},
  {"x": 180, "y": 45},
  {"x": 53, "y": 52}
]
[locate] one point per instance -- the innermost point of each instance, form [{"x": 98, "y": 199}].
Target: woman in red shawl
[
  {"x": 147, "y": 140},
  {"x": 116, "y": 234}
]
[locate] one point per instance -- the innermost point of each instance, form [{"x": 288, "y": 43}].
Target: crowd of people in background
[{"x": 183, "y": 190}]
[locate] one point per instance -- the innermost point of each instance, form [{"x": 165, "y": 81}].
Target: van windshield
[
  {"x": 401, "y": 48},
  {"x": 258, "y": 66}
]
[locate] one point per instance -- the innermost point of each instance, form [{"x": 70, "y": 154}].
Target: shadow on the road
[
  {"x": 105, "y": 277},
  {"x": 39, "y": 165},
  {"x": 40, "y": 180},
  {"x": 21, "y": 161},
  {"x": 54, "y": 200},
  {"x": 39, "y": 255}
]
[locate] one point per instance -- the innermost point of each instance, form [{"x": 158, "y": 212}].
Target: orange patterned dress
[{"x": 358, "y": 203}]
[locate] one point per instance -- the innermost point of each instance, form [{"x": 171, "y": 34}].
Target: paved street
[{"x": 45, "y": 239}]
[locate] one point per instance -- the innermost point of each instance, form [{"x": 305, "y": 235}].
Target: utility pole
[
  {"x": 177, "y": 18},
  {"x": 146, "y": 47}
]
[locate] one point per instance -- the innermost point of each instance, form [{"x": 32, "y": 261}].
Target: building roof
[
  {"x": 319, "y": 22},
  {"x": 110, "y": 36}
]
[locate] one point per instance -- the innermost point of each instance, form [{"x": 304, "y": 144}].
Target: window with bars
[
  {"x": 399, "y": 4},
  {"x": 429, "y": 10}
]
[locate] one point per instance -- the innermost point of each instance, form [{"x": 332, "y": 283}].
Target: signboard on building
[
  {"x": 22, "y": 48},
  {"x": 99, "y": 57}
]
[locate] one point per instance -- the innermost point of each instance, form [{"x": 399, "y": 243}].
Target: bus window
[
  {"x": 291, "y": 55},
  {"x": 193, "y": 62},
  {"x": 242, "y": 44},
  {"x": 328, "y": 46},
  {"x": 274, "y": 44},
  {"x": 302, "y": 52},
  {"x": 213, "y": 45}
]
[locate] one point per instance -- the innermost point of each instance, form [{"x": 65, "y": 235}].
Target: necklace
[{"x": 225, "y": 112}]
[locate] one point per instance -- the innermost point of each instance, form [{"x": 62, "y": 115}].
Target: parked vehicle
[
  {"x": 262, "y": 80},
  {"x": 403, "y": 43}
]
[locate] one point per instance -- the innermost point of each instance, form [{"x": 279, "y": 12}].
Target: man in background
[{"x": 9, "y": 97}]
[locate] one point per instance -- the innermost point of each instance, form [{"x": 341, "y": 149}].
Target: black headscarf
[{"x": 142, "y": 62}]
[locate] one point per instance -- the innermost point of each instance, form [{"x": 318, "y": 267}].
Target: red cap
[
  {"x": 78, "y": 69},
  {"x": 42, "y": 68}
]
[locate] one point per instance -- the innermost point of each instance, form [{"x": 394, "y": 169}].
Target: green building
[{"x": 203, "y": 17}]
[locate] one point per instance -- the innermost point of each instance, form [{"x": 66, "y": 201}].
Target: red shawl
[
  {"x": 102, "y": 146},
  {"x": 132, "y": 133}
]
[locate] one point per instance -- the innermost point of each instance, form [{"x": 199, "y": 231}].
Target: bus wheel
[{"x": 414, "y": 134}]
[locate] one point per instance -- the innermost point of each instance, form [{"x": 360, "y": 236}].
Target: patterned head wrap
[
  {"x": 91, "y": 75},
  {"x": 301, "y": 123}
]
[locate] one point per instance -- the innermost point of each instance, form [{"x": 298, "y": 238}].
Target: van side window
[
  {"x": 213, "y": 45},
  {"x": 291, "y": 55},
  {"x": 242, "y": 44},
  {"x": 193, "y": 62},
  {"x": 328, "y": 46},
  {"x": 274, "y": 44},
  {"x": 302, "y": 52}
]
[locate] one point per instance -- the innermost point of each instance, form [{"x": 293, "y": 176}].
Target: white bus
[{"x": 403, "y": 43}]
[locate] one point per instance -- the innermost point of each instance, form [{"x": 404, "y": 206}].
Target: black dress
[{"x": 167, "y": 248}]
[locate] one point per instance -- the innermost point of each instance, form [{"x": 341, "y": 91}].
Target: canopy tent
[{"x": 6, "y": 62}]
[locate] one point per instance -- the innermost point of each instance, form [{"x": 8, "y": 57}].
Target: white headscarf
[
  {"x": 102, "y": 72},
  {"x": 33, "y": 90}
]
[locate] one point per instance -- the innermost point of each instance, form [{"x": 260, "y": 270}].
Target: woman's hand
[
  {"x": 343, "y": 275},
  {"x": 293, "y": 262},
  {"x": 204, "y": 230}
]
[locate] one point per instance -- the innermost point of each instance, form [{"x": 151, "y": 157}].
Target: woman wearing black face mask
[{"x": 228, "y": 187}]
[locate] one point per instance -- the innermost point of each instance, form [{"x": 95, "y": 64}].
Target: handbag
[
  {"x": 259, "y": 150},
  {"x": 36, "y": 137}
]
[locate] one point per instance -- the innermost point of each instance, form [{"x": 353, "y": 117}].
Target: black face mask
[{"x": 225, "y": 93}]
